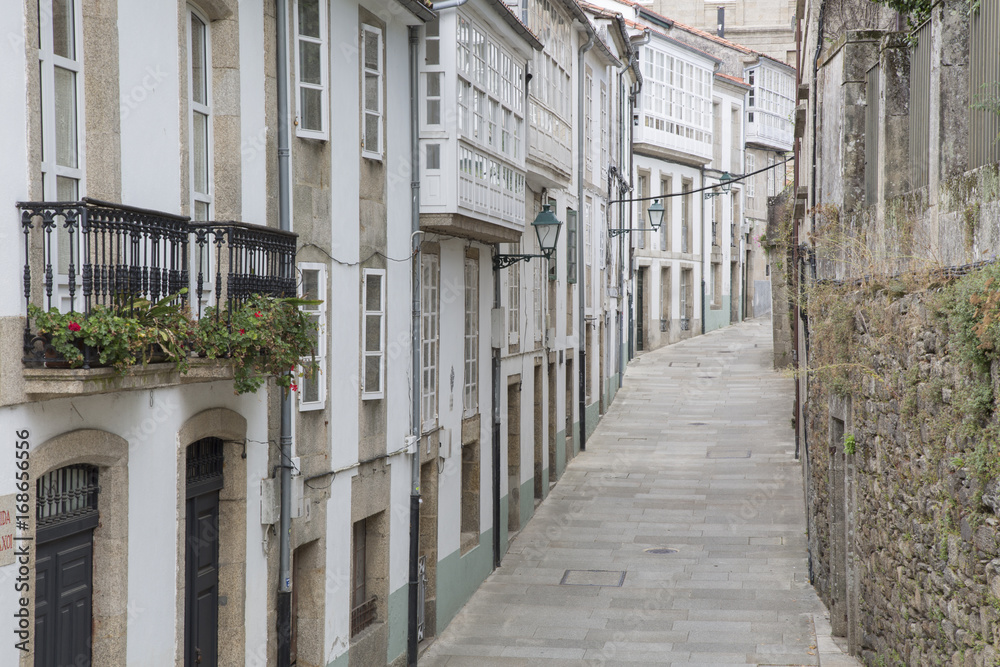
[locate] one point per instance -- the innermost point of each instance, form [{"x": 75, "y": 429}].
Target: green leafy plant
[
  {"x": 850, "y": 444},
  {"x": 122, "y": 336},
  {"x": 264, "y": 337}
]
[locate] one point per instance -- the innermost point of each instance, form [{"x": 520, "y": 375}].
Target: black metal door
[
  {"x": 66, "y": 512},
  {"x": 63, "y": 588},
  {"x": 201, "y": 599}
]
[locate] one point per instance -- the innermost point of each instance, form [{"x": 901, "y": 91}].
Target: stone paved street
[{"x": 695, "y": 457}]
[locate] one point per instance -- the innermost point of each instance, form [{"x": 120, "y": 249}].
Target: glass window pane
[
  {"x": 373, "y": 292},
  {"x": 373, "y": 365},
  {"x": 434, "y": 84},
  {"x": 372, "y": 132},
  {"x": 433, "y": 112},
  {"x": 199, "y": 148},
  {"x": 371, "y": 92},
  {"x": 309, "y": 18},
  {"x": 63, "y": 34},
  {"x": 310, "y": 387},
  {"x": 433, "y": 156},
  {"x": 310, "y": 286},
  {"x": 201, "y": 213},
  {"x": 373, "y": 333},
  {"x": 311, "y": 111},
  {"x": 65, "y": 103},
  {"x": 432, "y": 27},
  {"x": 433, "y": 52},
  {"x": 310, "y": 64},
  {"x": 199, "y": 89},
  {"x": 371, "y": 50},
  {"x": 67, "y": 189}
]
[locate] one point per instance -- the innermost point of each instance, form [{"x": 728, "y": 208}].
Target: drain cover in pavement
[
  {"x": 685, "y": 364},
  {"x": 593, "y": 578},
  {"x": 728, "y": 454},
  {"x": 660, "y": 550}
]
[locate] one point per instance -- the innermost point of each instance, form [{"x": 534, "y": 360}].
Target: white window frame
[
  {"x": 751, "y": 162},
  {"x": 206, "y": 109},
  {"x": 323, "y": 133},
  {"x": 48, "y": 61},
  {"x": 430, "y": 320},
  {"x": 367, "y": 394},
  {"x": 316, "y": 313},
  {"x": 470, "y": 393},
  {"x": 514, "y": 299},
  {"x": 368, "y": 151}
]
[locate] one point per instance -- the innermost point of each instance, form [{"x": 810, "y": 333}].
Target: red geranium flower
[
  {"x": 295, "y": 387},
  {"x": 257, "y": 314},
  {"x": 73, "y": 326},
  {"x": 243, "y": 331}
]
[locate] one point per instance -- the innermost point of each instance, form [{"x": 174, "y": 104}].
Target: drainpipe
[
  {"x": 412, "y": 601},
  {"x": 284, "y": 611},
  {"x": 495, "y": 435},
  {"x": 704, "y": 257},
  {"x": 633, "y": 97},
  {"x": 581, "y": 284}
]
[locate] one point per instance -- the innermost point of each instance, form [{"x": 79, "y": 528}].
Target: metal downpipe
[
  {"x": 284, "y": 601},
  {"x": 581, "y": 283},
  {"x": 414, "y": 583}
]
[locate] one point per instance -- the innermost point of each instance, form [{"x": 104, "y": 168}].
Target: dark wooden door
[
  {"x": 201, "y": 614},
  {"x": 63, "y": 594},
  {"x": 641, "y": 308}
]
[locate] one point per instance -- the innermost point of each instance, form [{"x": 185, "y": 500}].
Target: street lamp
[
  {"x": 724, "y": 182},
  {"x": 547, "y": 228},
  {"x": 655, "y": 220}
]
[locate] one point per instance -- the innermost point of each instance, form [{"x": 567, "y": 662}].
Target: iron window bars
[
  {"x": 66, "y": 501},
  {"x": 98, "y": 253}
]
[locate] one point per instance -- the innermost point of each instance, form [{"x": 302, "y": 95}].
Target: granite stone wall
[{"x": 902, "y": 495}]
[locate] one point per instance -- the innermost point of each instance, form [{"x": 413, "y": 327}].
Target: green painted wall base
[
  {"x": 576, "y": 438},
  {"x": 527, "y": 500},
  {"x": 560, "y": 462},
  {"x": 398, "y": 621},
  {"x": 593, "y": 414},
  {"x": 716, "y": 318},
  {"x": 340, "y": 661},
  {"x": 459, "y": 576}
]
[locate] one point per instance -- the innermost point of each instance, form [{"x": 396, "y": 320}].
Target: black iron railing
[{"x": 94, "y": 253}]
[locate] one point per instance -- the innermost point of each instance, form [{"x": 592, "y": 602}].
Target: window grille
[
  {"x": 65, "y": 495},
  {"x": 984, "y": 84},
  {"x": 920, "y": 106},
  {"x": 872, "y": 101}
]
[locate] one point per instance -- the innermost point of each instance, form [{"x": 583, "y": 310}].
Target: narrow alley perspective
[{"x": 677, "y": 538}]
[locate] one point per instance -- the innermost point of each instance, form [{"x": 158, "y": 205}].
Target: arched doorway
[{"x": 66, "y": 514}]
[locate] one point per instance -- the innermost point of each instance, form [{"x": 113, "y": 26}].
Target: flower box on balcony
[{"x": 129, "y": 273}]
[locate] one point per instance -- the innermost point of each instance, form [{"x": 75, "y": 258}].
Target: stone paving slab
[{"x": 736, "y": 591}]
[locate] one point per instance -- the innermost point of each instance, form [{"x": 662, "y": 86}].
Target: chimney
[{"x": 721, "y": 27}]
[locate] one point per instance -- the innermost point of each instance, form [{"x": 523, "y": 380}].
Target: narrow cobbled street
[{"x": 677, "y": 538}]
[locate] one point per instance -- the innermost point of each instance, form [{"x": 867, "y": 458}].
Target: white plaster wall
[
  {"x": 13, "y": 171},
  {"x": 338, "y": 568},
  {"x": 253, "y": 123},
  {"x": 450, "y": 392},
  {"x": 150, "y": 421},
  {"x": 659, "y": 169},
  {"x": 149, "y": 102},
  {"x": 342, "y": 374}
]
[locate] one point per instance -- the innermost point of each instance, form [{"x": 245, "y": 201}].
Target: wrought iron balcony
[{"x": 78, "y": 255}]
